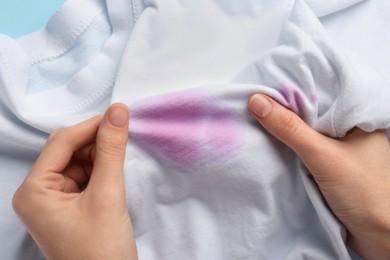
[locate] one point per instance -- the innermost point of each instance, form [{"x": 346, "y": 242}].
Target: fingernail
[
  {"x": 118, "y": 115},
  {"x": 260, "y": 105}
]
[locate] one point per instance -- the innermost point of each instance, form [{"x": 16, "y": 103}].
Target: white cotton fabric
[{"x": 203, "y": 179}]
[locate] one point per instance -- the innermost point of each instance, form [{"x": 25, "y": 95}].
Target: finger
[
  {"x": 87, "y": 156},
  {"x": 286, "y": 125},
  {"x": 110, "y": 151},
  {"x": 62, "y": 144},
  {"x": 86, "y": 153},
  {"x": 77, "y": 173}
]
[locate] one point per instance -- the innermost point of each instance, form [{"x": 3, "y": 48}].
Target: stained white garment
[{"x": 203, "y": 180}]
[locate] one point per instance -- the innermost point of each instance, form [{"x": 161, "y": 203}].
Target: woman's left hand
[{"x": 73, "y": 200}]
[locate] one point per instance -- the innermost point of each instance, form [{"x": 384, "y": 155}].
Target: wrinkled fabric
[{"x": 203, "y": 179}]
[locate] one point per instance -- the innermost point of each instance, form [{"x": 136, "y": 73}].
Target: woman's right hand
[{"x": 353, "y": 173}]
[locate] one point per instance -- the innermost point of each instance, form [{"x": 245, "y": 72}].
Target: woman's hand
[
  {"x": 353, "y": 173},
  {"x": 73, "y": 201}
]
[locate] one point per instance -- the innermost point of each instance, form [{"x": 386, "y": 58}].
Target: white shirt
[{"x": 203, "y": 180}]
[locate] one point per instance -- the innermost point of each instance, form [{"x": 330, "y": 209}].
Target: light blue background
[{"x": 21, "y": 17}]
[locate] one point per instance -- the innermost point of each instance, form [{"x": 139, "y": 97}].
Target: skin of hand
[
  {"x": 73, "y": 200},
  {"x": 353, "y": 173}
]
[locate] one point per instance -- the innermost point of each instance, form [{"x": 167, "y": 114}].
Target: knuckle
[
  {"x": 29, "y": 197},
  {"x": 21, "y": 199},
  {"x": 289, "y": 126},
  {"x": 17, "y": 200},
  {"x": 111, "y": 146}
]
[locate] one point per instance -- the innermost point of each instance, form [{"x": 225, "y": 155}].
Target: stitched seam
[
  {"x": 101, "y": 93},
  {"x": 74, "y": 36},
  {"x": 98, "y": 95},
  {"x": 135, "y": 10},
  {"x": 340, "y": 82}
]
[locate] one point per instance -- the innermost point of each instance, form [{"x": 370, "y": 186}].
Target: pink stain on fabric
[{"x": 185, "y": 129}]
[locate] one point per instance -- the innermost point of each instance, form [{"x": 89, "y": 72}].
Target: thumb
[
  {"x": 110, "y": 150},
  {"x": 286, "y": 125}
]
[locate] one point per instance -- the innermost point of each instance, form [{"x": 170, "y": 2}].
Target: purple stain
[
  {"x": 292, "y": 98},
  {"x": 174, "y": 140},
  {"x": 222, "y": 130},
  {"x": 185, "y": 129}
]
